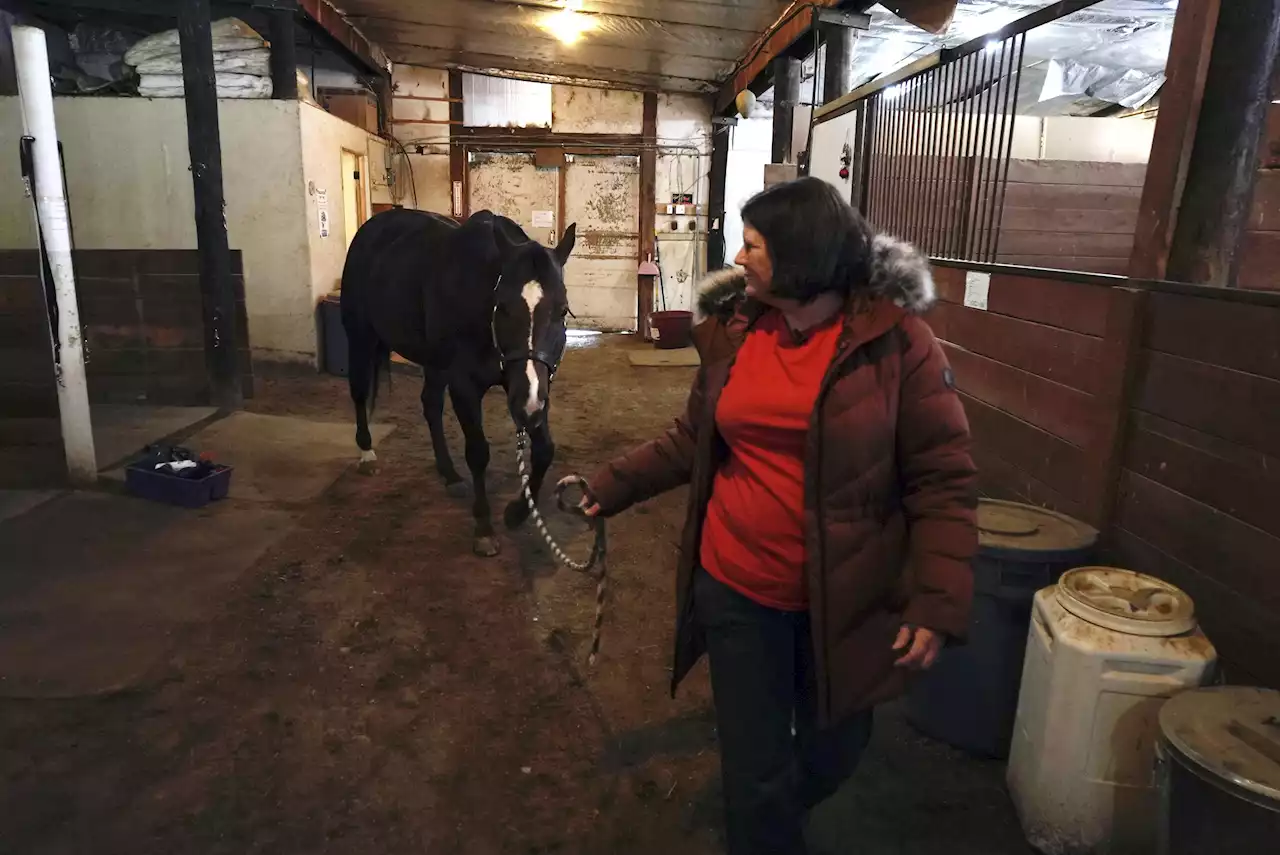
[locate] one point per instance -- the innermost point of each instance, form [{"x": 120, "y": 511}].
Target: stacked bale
[{"x": 241, "y": 62}]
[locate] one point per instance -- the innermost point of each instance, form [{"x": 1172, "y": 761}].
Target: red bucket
[{"x": 671, "y": 329}]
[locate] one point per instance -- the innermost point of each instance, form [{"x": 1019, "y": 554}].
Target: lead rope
[{"x": 599, "y": 548}]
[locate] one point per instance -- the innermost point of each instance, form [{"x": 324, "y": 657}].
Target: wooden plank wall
[
  {"x": 1028, "y": 370},
  {"x": 1070, "y": 215},
  {"x": 1191, "y": 410},
  {"x": 144, "y": 336},
  {"x": 1199, "y": 499},
  {"x": 1260, "y": 252},
  {"x": 30, "y": 433},
  {"x": 1063, "y": 214}
]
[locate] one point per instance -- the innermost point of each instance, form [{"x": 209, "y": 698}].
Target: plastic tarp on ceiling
[{"x": 1110, "y": 53}]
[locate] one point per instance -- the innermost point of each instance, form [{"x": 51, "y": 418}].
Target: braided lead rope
[{"x": 599, "y": 547}]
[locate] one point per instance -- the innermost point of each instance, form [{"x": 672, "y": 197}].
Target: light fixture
[{"x": 568, "y": 23}]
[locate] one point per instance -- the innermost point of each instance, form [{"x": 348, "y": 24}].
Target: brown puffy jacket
[{"x": 890, "y": 491}]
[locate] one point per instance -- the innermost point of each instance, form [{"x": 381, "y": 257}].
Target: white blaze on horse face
[{"x": 532, "y": 293}]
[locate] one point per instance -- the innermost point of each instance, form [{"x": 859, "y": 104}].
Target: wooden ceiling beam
[{"x": 324, "y": 16}]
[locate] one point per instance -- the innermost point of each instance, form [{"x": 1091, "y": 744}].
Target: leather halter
[{"x": 547, "y": 350}]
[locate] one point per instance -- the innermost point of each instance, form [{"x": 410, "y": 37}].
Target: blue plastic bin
[{"x": 148, "y": 483}]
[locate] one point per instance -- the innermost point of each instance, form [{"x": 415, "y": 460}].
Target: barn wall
[
  {"x": 1260, "y": 253},
  {"x": 683, "y": 166},
  {"x": 583, "y": 110},
  {"x": 324, "y": 137},
  {"x": 1149, "y": 411},
  {"x": 143, "y": 318},
  {"x": 420, "y": 123},
  {"x": 1071, "y": 215},
  {"x": 130, "y": 188}
]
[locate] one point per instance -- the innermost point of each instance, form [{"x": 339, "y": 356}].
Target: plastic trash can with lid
[
  {"x": 970, "y": 696},
  {"x": 1219, "y": 772},
  {"x": 1106, "y": 649}
]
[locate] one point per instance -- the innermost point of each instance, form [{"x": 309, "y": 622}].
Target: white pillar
[{"x": 31, "y": 57}]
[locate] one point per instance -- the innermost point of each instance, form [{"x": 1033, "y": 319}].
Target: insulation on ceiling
[{"x": 1110, "y": 53}]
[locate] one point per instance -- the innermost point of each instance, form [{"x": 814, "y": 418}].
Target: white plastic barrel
[{"x": 1105, "y": 649}]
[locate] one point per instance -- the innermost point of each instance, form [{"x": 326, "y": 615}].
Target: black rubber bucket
[
  {"x": 1218, "y": 768},
  {"x": 969, "y": 699}
]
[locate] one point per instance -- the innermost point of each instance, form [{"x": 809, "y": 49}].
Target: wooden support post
[
  {"x": 648, "y": 212},
  {"x": 1180, "y": 99},
  {"x": 717, "y": 253},
  {"x": 1121, "y": 353},
  {"x": 837, "y": 68},
  {"x": 786, "y": 95},
  {"x": 8, "y": 71},
  {"x": 205, "y": 146},
  {"x": 460, "y": 206},
  {"x": 283, "y": 34},
  {"x": 1218, "y": 196}
]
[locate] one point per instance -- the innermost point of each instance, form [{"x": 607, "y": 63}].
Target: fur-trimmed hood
[{"x": 898, "y": 271}]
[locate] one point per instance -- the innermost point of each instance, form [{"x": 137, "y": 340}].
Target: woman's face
[{"x": 754, "y": 259}]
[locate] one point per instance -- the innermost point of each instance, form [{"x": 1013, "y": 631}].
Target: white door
[
  {"x": 602, "y": 195},
  {"x": 508, "y": 183}
]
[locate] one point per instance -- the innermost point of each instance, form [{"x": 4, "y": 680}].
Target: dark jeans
[{"x": 762, "y": 678}]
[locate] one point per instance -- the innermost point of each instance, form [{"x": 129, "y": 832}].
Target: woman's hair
[{"x": 817, "y": 241}]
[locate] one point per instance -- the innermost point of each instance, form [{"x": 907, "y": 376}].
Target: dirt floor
[{"x": 372, "y": 687}]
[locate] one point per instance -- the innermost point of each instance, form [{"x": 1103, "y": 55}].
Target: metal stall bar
[{"x": 1012, "y": 110}]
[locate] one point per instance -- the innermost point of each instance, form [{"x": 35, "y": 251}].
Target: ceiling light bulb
[{"x": 568, "y": 24}]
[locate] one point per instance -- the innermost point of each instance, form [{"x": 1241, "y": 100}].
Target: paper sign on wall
[
  {"x": 976, "y": 287},
  {"x": 544, "y": 219},
  {"x": 322, "y": 197},
  {"x": 324, "y": 222}
]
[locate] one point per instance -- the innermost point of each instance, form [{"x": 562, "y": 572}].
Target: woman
[{"x": 831, "y": 522}]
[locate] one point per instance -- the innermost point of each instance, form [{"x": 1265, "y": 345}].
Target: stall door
[
  {"x": 508, "y": 183},
  {"x": 602, "y": 195}
]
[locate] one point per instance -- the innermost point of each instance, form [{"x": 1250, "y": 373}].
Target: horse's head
[{"x": 529, "y": 324}]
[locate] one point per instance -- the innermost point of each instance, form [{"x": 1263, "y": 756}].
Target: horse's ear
[{"x": 565, "y": 246}]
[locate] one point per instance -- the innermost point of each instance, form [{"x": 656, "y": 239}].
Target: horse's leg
[
  {"x": 467, "y": 407},
  {"x": 433, "y": 389},
  {"x": 360, "y": 376},
  {"x": 542, "y": 450}
]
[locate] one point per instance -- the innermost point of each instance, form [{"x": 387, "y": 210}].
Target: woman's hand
[
  {"x": 588, "y": 506},
  {"x": 921, "y": 647}
]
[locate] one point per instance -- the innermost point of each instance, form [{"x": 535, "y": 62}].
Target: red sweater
[{"x": 753, "y": 538}]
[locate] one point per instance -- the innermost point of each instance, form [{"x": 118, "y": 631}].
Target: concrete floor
[
  {"x": 367, "y": 684},
  {"x": 122, "y": 430},
  {"x": 99, "y": 584}
]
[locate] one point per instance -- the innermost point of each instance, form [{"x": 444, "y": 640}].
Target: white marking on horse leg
[
  {"x": 368, "y": 456},
  {"x": 533, "y": 404},
  {"x": 532, "y": 293}
]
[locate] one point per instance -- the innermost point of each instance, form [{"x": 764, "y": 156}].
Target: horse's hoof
[
  {"x": 457, "y": 490},
  {"x": 515, "y": 514},
  {"x": 486, "y": 547},
  {"x": 367, "y": 467}
]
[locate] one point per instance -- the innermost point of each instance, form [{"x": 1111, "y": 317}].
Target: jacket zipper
[{"x": 818, "y": 639}]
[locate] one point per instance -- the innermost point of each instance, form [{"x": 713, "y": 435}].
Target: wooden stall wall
[
  {"x": 1199, "y": 492},
  {"x": 144, "y": 326},
  {"x": 1147, "y": 409},
  {"x": 1260, "y": 252},
  {"x": 1061, "y": 214},
  {"x": 31, "y": 452},
  {"x": 1027, "y": 368},
  {"x": 1070, "y": 215}
]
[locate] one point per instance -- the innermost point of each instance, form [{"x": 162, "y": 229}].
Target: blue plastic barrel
[{"x": 969, "y": 698}]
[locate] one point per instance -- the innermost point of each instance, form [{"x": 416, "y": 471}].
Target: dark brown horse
[{"x": 476, "y": 305}]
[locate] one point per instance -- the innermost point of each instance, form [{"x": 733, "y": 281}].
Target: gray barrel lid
[
  {"x": 1231, "y": 732},
  {"x": 1016, "y": 530}
]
